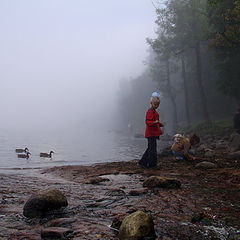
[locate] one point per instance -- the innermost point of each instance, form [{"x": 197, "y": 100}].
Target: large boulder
[
  {"x": 206, "y": 165},
  {"x": 40, "y": 203},
  {"x": 136, "y": 226},
  {"x": 161, "y": 182}
]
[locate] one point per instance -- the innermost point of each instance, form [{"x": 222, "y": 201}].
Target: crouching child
[{"x": 181, "y": 147}]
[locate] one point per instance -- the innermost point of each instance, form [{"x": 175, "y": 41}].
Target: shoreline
[{"x": 92, "y": 207}]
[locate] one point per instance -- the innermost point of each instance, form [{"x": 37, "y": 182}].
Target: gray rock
[
  {"x": 201, "y": 148},
  {"x": 221, "y": 144},
  {"x": 235, "y": 143},
  {"x": 209, "y": 154},
  {"x": 41, "y": 203},
  {"x": 137, "y": 226},
  {"x": 234, "y": 236},
  {"x": 234, "y": 155},
  {"x": 206, "y": 165},
  {"x": 161, "y": 182}
]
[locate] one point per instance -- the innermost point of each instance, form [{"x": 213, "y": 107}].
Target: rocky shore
[{"x": 187, "y": 200}]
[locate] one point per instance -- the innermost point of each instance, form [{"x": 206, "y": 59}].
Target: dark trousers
[{"x": 149, "y": 158}]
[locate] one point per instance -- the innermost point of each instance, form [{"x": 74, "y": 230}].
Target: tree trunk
[
  {"x": 172, "y": 97},
  {"x": 185, "y": 92},
  {"x": 195, "y": 30},
  {"x": 200, "y": 82}
]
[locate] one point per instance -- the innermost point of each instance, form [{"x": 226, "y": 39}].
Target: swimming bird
[
  {"x": 19, "y": 150},
  {"x": 24, "y": 155},
  {"x": 46, "y": 154}
]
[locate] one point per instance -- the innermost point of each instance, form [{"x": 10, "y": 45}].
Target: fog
[{"x": 61, "y": 61}]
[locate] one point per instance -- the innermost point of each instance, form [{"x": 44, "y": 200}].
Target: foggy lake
[{"x": 71, "y": 148}]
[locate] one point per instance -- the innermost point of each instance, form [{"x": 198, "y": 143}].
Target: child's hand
[{"x": 157, "y": 121}]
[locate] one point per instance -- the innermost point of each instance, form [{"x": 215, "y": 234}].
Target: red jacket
[{"x": 152, "y": 129}]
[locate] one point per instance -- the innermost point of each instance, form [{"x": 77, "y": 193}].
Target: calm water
[{"x": 71, "y": 148}]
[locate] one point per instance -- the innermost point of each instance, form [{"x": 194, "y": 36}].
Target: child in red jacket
[{"x": 152, "y": 133}]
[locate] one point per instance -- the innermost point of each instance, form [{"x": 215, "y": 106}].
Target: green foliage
[{"x": 224, "y": 17}]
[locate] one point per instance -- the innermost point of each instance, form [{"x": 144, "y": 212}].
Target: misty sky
[{"x": 61, "y": 60}]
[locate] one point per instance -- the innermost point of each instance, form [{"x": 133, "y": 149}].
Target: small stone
[
  {"x": 221, "y": 145},
  {"x": 206, "y": 165},
  {"x": 96, "y": 180},
  {"x": 60, "y": 222},
  {"x": 201, "y": 148},
  {"x": 234, "y": 155},
  {"x": 209, "y": 154},
  {"x": 235, "y": 142},
  {"x": 55, "y": 233},
  {"x": 138, "y": 192},
  {"x": 115, "y": 192},
  {"x": 161, "y": 182}
]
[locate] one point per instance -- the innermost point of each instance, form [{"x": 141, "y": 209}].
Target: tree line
[{"x": 193, "y": 61}]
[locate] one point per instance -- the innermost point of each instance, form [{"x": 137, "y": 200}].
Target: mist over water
[
  {"x": 70, "y": 148},
  {"x": 61, "y": 61},
  {"x": 60, "y": 66}
]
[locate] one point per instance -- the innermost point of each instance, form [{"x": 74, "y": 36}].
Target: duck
[
  {"x": 19, "y": 150},
  {"x": 46, "y": 154},
  {"x": 24, "y": 155}
]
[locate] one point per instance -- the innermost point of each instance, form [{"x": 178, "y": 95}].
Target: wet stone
[
  {"x": 56, "y": 233},
  {"x": 138, "y": 192},
  {"x": 206, "y": 165},
  {"x": 41, "y": 203},
  {"x": 235, "y": 143},
  {"x": 136, "y": 226},
  {"x": 95, "y": 180},
  {"x": 209, "y": 154},
  {"x": 60, "y": 222},
  {"x": 115, "y": 192},
  {"x": 161, "y": 182},
  {"x": 234, "y": 155}
]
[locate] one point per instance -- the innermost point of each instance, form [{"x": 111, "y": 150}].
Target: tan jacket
[{"x": 183, "y": 144}]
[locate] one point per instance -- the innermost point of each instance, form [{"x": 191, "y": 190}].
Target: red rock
[
  {"x": 137, "y": 192},
  {"x": 55, "y": 232},
  {"x": 60, "y": 222},
  {"x": 161, "y": 182}
]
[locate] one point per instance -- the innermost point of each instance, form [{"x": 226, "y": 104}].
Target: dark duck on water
[
  {"x": 24, "y": 155},
  {"x": 19, "y": 150},
  {"x": 46, "y": 154}
]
